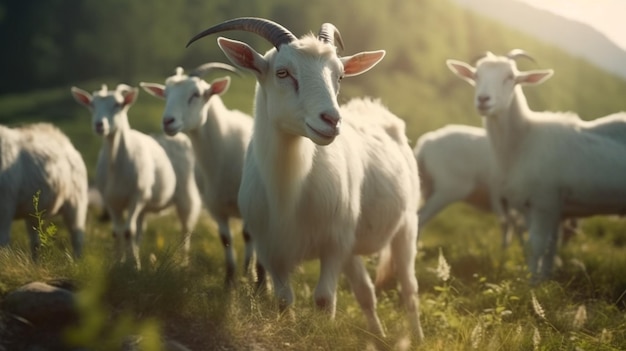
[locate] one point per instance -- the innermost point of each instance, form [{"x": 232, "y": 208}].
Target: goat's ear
[
  {"x": 243, "y": 56},
  {"x": 219, "y": 86},
  {"x": 154, "y": 89},
  {"x": 534, "y": 77},
  {"x": 130, "y": 96},
  {"x": 361, "y": 62},
  {"x": 81, "y": 96},
  {"x": 462, "y": 70}
]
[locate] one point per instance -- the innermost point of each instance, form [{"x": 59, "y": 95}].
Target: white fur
[
  {"x": 39, "y": 157},
  {"x": 220, "y": 137},
  {"x": 326, "y": 182},
  {"x": 549, "y": 165},
  {"x": 137, "y": 173},
  {"x": 455, "y": 164}
]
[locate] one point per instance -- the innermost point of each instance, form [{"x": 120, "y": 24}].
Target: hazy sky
[{"x": 607, "y": 16}]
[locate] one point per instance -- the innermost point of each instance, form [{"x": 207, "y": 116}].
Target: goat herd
[{"x": 312, "y": 179}]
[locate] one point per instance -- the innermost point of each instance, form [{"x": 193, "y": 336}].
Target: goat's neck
[
  {"x": 115, "y": 144},
  {"x": 506, "y": 130},
  {"x": 284, "y": 160},
  {"x": 207, "y": 139}
]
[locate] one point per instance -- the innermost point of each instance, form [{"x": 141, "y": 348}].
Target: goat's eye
[
  {"x": 282, "y": 73},
  {"x": 193, "y": 96},
  {"x": 340, "y": 79}
]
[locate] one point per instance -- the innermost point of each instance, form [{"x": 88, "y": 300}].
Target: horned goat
[
  {"x": 137, "y": 173},
  {"x": 40, "y": 158},
  {"x": 309, "y": 192},
  {"x": 549, "y": 165},
  {"x": 219, "y": 136}
]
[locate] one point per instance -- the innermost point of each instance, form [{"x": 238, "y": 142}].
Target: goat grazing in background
[
  {"x": 549, "y": 165},
  {"x": 40, "y": 158},
  {"x": 137, "y": 173},
  {"x": 323, "y": 181},
  {"x": 219, "y": 136}
]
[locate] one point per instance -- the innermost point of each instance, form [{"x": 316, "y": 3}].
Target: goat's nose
[
  {"x": 167, "y": 121},
  {"x": 330, "y": 119},
  {"x": 483, "y": 98}
]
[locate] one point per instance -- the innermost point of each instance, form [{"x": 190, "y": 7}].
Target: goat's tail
[{"x": 385, "y": 272}]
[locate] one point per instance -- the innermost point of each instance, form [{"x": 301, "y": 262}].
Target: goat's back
[
  {"x": 456, "y": 157},
  {"x": 584, "y": 165},
  {"x": 39, "y": 157}
]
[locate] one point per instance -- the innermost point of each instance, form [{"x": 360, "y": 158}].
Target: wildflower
[
  {"x": 476, "y": 336},
  {"x": 537, "y": 307},
  {"x": 443, "y": 268},
  {"x": 580, "y": 318},
  {"x": 536, "y": 338}
]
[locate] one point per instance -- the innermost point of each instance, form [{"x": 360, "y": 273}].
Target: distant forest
[{"x": 51, "y": 44}]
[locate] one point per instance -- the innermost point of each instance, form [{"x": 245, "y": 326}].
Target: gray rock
[{"x": 42, "y": 304}]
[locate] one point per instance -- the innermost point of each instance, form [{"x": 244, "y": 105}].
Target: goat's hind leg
[
  {"x": 261, "y": 280},
  {"x": 363, "y": 289},
  {"x": 437, "y": 202},
  {"x": 229, "y": 250}
]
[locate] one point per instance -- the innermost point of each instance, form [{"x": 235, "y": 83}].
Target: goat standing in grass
[
  {"x": 137, "y": 173},
  {"x": 219, "y": 136},
  {"x": 549, "y": 165},
  {"x": 39, "y": 157},
  {"x": 311, "y": 192},
  {"x": 455, "y": 164}
]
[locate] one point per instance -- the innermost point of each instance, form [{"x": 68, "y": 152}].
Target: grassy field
[{"x": 484, "y": 303}]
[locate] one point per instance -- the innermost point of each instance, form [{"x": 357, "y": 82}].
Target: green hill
[{"x": 412, "y": 79}]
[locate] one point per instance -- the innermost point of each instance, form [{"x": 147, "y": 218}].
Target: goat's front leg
[
  {"x": 188, "y": 211},
  {"x": 118, "y": 233},
  {"x": 133, "y": 232},
  {"x": 326, "y": 290},
  {"x": 543, "y": 232},
  {"x": 282, "y": 286}
]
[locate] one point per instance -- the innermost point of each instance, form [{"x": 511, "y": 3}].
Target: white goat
[
  {"x": 308, "y": 192},
  {"x": 139, "y": 173},
  {"x": 40, "y": 158},
  {"x": 219, "y": 136},
  {"x": 550, "y": 166},
  {"x": 455, "y": 164}
]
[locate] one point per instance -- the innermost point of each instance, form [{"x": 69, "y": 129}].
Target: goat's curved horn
[
  {"x": 269, "y": 30},
  {"x": 208, "y": 67},
  {"x": 516, "y": 53},
  {"x": 330, "y": 34}
]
